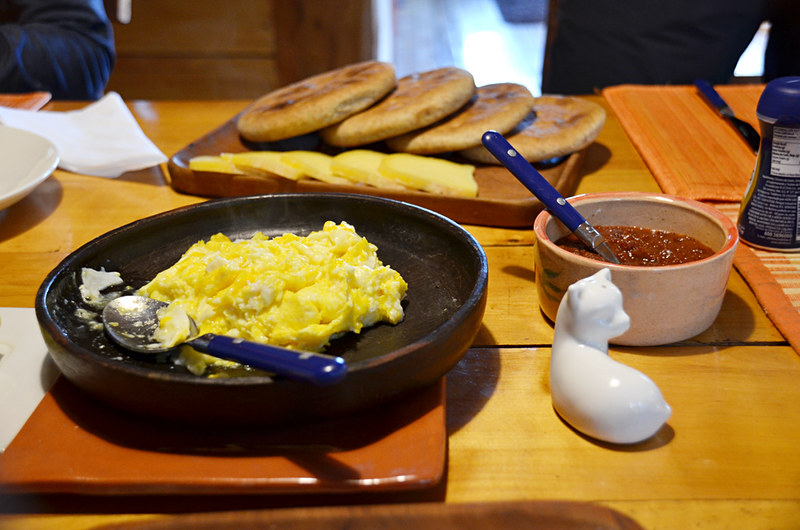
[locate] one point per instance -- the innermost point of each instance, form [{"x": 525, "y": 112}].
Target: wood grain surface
[{"x": 727, "y": 458}]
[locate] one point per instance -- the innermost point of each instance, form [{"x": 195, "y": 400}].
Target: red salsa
[{"x": 642, "y": 246}]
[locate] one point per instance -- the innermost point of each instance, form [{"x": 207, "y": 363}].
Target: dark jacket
[
  {"x": 65, "y": 47},
  {"x": 600, "y": 43}
]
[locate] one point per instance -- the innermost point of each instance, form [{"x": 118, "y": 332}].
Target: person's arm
[{"x": 65, "y": 47}]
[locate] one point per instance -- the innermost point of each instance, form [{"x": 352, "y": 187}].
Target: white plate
[{"x": 26, "y": 160}]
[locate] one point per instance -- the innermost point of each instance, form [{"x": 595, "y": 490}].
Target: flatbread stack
[{"x": 430, "y": 113}]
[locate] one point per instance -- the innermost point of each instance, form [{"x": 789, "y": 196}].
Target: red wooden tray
[
  {"x": 29, "y": 100},
  {"x": 74, "y": 444}
]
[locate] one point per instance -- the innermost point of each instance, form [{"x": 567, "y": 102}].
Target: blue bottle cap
[{"x": 781, "y": 98}]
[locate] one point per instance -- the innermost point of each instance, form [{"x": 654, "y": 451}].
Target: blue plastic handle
[
  {"x": 710, "y": 94},
  {"x": 297, "y": 365},
  {"x": 532, "y": 179}
]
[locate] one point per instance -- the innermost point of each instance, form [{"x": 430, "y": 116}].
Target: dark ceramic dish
[{"x": 444, "y": 266}]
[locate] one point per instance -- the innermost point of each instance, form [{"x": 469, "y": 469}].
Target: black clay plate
[{"x": 444, "y": 266}]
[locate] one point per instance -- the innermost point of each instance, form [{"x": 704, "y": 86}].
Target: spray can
[{"x": 769, "y": 216}]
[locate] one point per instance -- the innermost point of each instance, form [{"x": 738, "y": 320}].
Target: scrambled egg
[
  {"x": 290, "y": 291},
  {"x": 93, "y": 282}
]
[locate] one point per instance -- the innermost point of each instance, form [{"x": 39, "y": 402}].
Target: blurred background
[{"x": 240, "y": 49}]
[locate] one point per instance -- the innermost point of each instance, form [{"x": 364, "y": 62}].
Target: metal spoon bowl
[{"x": 131, "y": 322}]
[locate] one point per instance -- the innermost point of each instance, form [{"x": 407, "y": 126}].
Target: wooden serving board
[{"x": 501, "y": 200}]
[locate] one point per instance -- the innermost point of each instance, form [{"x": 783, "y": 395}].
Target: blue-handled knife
[
  {"x": 744, "y": 129},
  {"x": 503, "y": 151}
]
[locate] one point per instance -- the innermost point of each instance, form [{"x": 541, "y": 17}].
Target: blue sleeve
[{"x": 65, "y": 47}]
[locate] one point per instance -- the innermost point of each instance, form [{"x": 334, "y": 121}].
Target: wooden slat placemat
[
  {"x": 691, "y": 151},
  {"x": 694, "y": 153},
  {"x": 774, "y": 278}
]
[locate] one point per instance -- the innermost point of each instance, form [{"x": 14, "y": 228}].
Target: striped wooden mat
[
  {"x": 774, "y": 278},
  {"x": 693, "y": 153}
]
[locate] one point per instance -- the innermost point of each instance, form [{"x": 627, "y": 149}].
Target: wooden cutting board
[{"x": 501, "y": 200}]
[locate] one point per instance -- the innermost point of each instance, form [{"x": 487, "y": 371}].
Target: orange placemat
[
  {"x": 691, "y": 151},
  {"x": 31, "y": 100},
  {"x": 694, "y": 153}
]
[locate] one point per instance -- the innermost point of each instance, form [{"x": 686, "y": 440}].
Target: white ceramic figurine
[{"x": 595, "y": 394}]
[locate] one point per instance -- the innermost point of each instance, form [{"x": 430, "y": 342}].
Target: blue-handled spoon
[
  {"x": 131, "y": 321},
  {"x": 562, "y": 210}
]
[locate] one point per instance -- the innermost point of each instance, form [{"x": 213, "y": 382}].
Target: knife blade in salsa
[{"x": 635, "y": 245}]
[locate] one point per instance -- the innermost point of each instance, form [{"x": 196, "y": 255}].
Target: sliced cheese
[
  {"x": 433, "y": 175},
  {"x": 216, "y": 164},
  {"x": 313, "y": 164},
  {"x": 264, "y": 163},
  {"x": 361, "y": 166}
]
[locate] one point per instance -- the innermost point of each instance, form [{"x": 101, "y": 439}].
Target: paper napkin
[
  {"x": 26, "y": 371},
  {"x": 102, "y": 139}
]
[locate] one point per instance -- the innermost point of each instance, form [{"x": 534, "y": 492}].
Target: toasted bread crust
[
  {"x": 499, "y": 107},
  {"x": 558, "y": 126},
  {"x": 419, "y": 100},
  {"x": 316, "y": 102}
]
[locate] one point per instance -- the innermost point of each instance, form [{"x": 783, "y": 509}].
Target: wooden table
[{"x": 729, "y": 456}]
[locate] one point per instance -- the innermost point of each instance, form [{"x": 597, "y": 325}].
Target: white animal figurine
[{"x": 595, "y": 394}]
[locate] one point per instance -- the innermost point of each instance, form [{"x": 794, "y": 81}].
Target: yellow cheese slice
[
  {"x": 313, "y": 164},
  {"x": 433, "y": 175},
  {"x": 215, "y": 164},
  {"x": 264, "y": 163},
  {"x": 361, "y": 166}
]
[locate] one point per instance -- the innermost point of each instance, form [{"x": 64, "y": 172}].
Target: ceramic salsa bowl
[
  {"x": 444, "y": 266},
  {"x": 665, "y": 303}
]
